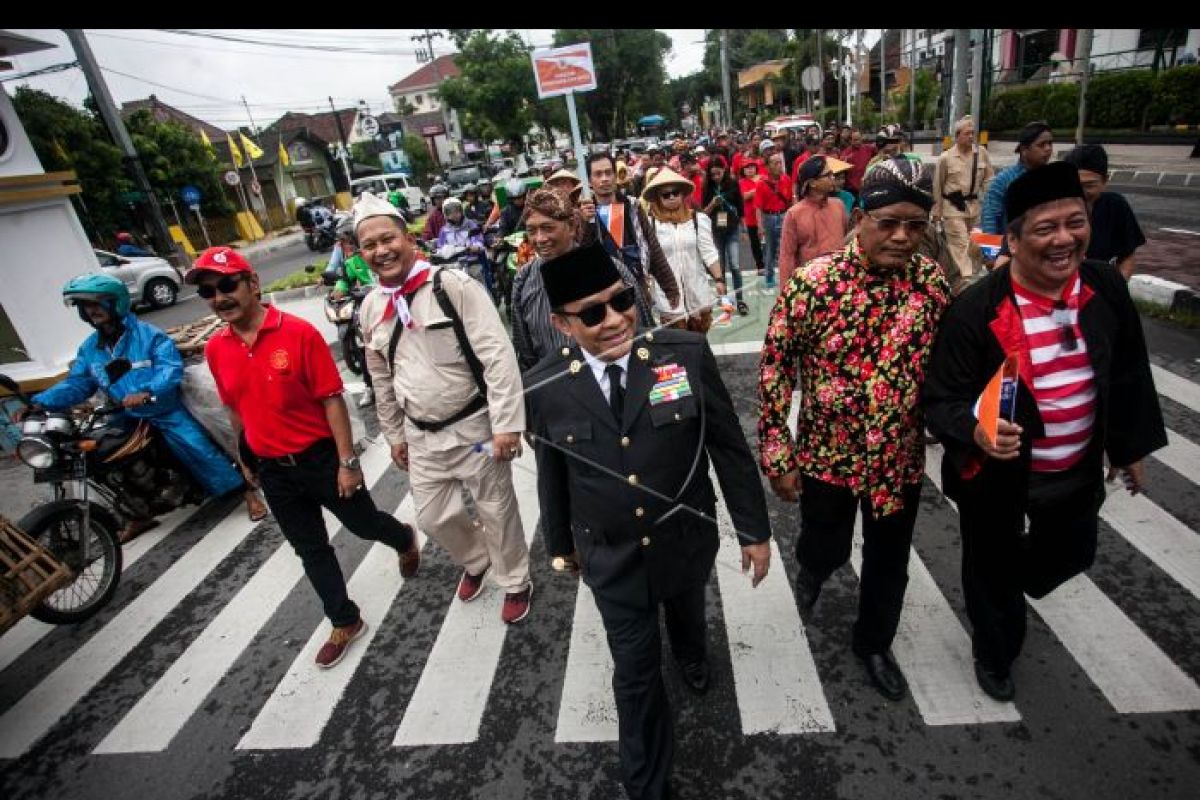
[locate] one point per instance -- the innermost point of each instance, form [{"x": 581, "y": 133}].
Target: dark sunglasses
[
  {"x": 228, "y": 284},
  {"x": 667, "y": 194},
  {"x": 1066, "y": 331},
  {"x": 890, "y": 225},
  {"x": 594, "y": 314}
]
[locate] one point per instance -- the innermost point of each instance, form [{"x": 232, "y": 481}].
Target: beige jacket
[
  {"x": 954, "y": 175},
  {"x": 432, "y": 381}
]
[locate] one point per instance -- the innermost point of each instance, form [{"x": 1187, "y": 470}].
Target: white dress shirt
[{"x": 599, "y": 367}]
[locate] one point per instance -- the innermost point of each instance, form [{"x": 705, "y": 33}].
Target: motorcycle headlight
[
  {"x": 346, "y": 313},
  {"x": 36, "y": 452}
]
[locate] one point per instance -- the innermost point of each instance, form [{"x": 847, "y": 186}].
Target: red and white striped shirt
[{"x": 1063, "y": 382}]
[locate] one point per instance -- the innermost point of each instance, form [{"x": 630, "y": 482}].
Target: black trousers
[
  {"x": 755, "y": 247},
  {"x": 646, "y": 741},
  {"x": 297, "y": 494},
  {"x": 1003, "y": 561},
  {"x": 827, "y": 515}
]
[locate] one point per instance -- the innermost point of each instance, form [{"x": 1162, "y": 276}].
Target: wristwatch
[
  {"x": 350, "y": 463},
  {"x": 564, "y": 564}
]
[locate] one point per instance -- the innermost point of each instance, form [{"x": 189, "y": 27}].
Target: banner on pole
[{"x": 563, "y": 70}]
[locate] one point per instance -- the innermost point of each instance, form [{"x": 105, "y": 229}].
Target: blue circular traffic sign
[{"x": 190, "y": 195}]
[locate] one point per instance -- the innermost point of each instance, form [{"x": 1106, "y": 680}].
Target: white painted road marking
[{"x": 588, "y": 710}]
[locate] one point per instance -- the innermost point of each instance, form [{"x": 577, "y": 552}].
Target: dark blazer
[
  {"x": 618, "y": 493},
  {"x": 983, "y": 324}
]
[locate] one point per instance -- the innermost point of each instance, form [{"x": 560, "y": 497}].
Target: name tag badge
[
  {"x": 722, "y": 219},
  {"x": 670, "y": 383}
]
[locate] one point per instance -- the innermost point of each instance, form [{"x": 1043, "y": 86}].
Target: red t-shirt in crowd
[
  {"x": 858, "y": 158},
  {"x": 771, "y": 197},
  {"x": 800, "y": 159},
  {"x": 277, "y": 386},
  {"x": 748, "y": 185}
]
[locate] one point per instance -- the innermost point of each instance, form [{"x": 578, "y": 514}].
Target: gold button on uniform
[
  {"x": 633, "y": 480},
  {"x": 639, "y": 512},
  {"x": 678, "y": 416},
  {"x": 624, "y": 441},
  {"x": 570, "y": 439},
  {"x": 645, "y": 541}
]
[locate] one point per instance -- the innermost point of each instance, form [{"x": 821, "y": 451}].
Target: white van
[{"x": 382, "y": 184}]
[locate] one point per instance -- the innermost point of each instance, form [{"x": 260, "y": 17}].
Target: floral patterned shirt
[{"x": 860, "y": 339}]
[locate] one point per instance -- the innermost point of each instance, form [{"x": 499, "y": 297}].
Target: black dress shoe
[
  {"x": 996, "y": 684},
  {"x": 887, "y": 677},
  {"x": 808, "y": 589},
  {"x": 695, "y": 675}
]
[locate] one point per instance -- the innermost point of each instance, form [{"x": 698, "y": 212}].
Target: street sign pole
[
  {"x": 565, "y": 71},
  {"x": 203, "y": 227}
]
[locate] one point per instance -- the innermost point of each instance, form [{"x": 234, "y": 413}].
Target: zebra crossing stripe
[
  {"x": 29, "y": 631},
  {"x": 1126, "y": 665},
  {"x": 302, "y": 704},
  {"x": 587, "y": 711},
  {"x": 934, "y": 652},
  {"x": 163, "y": 711},
  {"x": 774, "y": 674},
  {"x": 451, "y": 695},
  {"x": 31, "y": 717},
  {"x": 1181, "y": 455},
  {"x": 1176, "y": 387},
  {"x": 1172, "y": 546}
]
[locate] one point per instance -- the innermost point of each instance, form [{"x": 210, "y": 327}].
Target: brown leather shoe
[{"x": 410, "y": 559}]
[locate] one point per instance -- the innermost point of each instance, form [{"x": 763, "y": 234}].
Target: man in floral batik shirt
[{"x": 858, "y": 326}]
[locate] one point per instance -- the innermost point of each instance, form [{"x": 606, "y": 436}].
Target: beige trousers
[
  {"x": 958, "y": 241},
  {"x": 437, "y": 479}
]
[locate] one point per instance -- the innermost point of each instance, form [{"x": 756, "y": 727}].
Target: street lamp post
[{"x": 845, "y": 70}]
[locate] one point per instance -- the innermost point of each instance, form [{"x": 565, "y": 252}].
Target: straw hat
[
  {"x": 566, "y": 175},
  {"x": 836, "y": 165},
  {"x": 666, "y": 177}
]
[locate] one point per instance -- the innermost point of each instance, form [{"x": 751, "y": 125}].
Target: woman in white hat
[{"x": 687, "y": 241}]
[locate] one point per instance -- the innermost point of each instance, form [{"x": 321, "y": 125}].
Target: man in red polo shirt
[
  {"x": 772, "y": 199},
  {"x": 281, "y": 388},
  {"x": 859, "y": 155}
]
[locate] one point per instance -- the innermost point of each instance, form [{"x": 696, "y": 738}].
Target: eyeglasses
[
  {"x": 594, "y": 314},
  {"x": 667, "y": 194},
  {"x": 228, "y": 284},
  {"x": 890, "y": 225},
  {"x": 1066, "y": 329}
]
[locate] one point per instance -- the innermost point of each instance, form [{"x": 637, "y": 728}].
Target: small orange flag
[{"x": 999, "y": 398}]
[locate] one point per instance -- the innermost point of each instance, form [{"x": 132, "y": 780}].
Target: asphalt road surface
[{"x": 198, "y": 682}]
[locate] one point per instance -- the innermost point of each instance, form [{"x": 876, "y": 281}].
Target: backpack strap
[{"x": 443, "y": 300}]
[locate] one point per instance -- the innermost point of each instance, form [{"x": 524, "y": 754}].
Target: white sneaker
[{"x": 367, "y": 400}]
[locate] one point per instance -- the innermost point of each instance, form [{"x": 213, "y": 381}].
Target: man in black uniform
[{"x": 624, "y": 431}]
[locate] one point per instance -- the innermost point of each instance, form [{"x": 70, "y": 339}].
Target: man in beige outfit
[
  {"x": 962, "y": 175},
  {"x": 450, "y": 403}
]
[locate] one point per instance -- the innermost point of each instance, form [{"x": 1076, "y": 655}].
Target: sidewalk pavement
[{"x": 1136, "y": 164}]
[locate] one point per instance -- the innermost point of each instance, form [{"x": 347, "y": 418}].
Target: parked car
[
  {"x": 149, "y": 279},
  {"x": 382, "y": 184},
  {"x": 462, "y": 174}
]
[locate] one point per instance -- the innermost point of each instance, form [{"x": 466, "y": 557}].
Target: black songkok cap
[
  {"x": 578, "y": 273},
  {"x": 1090, "y": 157},
  {"x": 1056, "y": 181}
]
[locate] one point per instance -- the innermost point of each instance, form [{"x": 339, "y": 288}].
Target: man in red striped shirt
[{"x": 1085, "y": 393}]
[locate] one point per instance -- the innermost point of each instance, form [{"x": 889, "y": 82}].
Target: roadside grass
[
  {"x": 1184, "y": 319},
  {"x": 298, "y": 279}
]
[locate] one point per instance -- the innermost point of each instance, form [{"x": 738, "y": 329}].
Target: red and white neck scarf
[{"x": 398, "y": 304}]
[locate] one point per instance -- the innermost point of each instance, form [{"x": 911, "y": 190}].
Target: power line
[
  {"x": 168, "y": 88},
  {"x": 223, "y": 50},
  {"x": 43, "y": 71},
  {"x": 291, "y": 45}
]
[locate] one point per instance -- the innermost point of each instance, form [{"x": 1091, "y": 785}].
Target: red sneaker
[
  {"x": 339, "y": 642},
  {"x": 470, "y": 586},
  {"x": 516, "y": 605}
]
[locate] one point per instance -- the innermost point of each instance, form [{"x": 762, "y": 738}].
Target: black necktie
[{"x": 616, "y": 392}]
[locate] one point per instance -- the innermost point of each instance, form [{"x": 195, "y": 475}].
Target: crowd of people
[{"x": 885, "y": 317}]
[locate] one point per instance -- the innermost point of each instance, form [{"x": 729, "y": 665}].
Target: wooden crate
[
  {"x": 191, "y": 338},
  {"x": 28, "y": 574}
]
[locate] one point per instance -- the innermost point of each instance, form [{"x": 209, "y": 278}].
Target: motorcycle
[
  {"x": 457, "y": 256},
  {"x": 105, "y": 469},
  {"x": 343, "y": 312},
  {"x": 322, "y": 237}
]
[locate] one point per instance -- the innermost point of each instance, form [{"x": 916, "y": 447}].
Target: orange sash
[{"x": 616, "y": 223}]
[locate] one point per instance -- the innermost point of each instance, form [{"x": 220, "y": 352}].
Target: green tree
[
  {"x": 68, "y": 138},
  {"x": 746, "y": 47},
  {"x": 630, "y": 76},
  {"x": 173, "y": 156},
  {"x": 365, "y": 153}
]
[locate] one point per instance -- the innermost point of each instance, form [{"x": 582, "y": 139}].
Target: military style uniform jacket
[{"x": 619, "y": 492}]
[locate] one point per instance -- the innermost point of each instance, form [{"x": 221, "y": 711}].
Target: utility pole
[
  {"x": 428, "y": 36},
  {"x": 958, "y": 77},
  {"x": 254, "y": 173},
  {"x": 345, "y": 146},
  {"x": 882, "y": 75},
  {"x": 977, "y": 78},
  {"x": 725, "y": 76},
  {"x": 116, "y": 128},
  {"x": 912, "y": 79},
  {"x": 1083, "y": 57},
  {"x": 821, "y": 65}
]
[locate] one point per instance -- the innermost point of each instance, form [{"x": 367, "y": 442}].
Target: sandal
[
  {"x": 743, "y": 309},
  {"x": 256, "y": 509}
]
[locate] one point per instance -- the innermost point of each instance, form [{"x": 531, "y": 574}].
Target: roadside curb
[
  {"x": 1172, "y": 296},
  {"x": 293, "y": 294},
  {"x": 1132, "y": 176}
]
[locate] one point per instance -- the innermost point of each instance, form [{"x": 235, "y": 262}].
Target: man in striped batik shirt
[{"x": 1085, "y": 395}]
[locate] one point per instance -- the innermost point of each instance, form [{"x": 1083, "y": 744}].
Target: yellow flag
[
  {"x": 233, "y": 151},
  {"x": 252, "y": 150},
  {"x": 212, "y": 152},
  {"x": 283, "y": 155}
]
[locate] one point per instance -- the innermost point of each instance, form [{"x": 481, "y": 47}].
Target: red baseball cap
[{"x": 221, "y": 260}]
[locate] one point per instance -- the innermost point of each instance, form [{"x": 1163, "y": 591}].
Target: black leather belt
[
  {"x": 310, "y": 453},
  {"x": 433, "y": 427}
]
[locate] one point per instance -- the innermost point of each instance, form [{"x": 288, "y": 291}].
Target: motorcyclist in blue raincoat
[
  {"x": 155, "y": 370},
  {"x": 462, "y": 231}
]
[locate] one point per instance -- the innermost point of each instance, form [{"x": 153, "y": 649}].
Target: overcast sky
[{"x": 208, "y": 77}]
